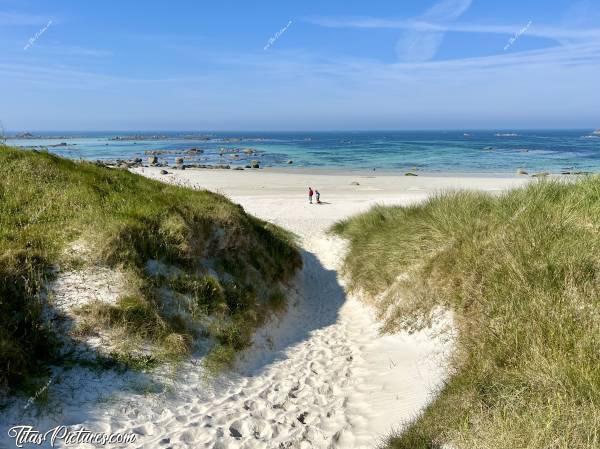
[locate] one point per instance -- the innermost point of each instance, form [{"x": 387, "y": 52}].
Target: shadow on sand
[
  {"x": 76, "y": 389},
  {"x": 77, "y": 395},
  {"x": 315, "y": 305}
]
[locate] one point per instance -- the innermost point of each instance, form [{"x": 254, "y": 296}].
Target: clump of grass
[
  {"x": 521, "y": 274},
  {"x": 206, "y": 292},
  {"x": 219, "y": 359},
  {"x": 47, "y": 202},
  {"x": 138, "y": 321},
  {"x": 277, "y": 301}
]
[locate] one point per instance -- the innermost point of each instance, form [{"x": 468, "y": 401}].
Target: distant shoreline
[
  {"x": 435, "y": 153},
  {"x": 394, "y": 173}
]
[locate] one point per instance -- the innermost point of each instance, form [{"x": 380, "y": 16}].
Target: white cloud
[
  {"x": 422, "y": 45},
  {"x": 447, "y": 10},
  {"x": 419, "y": 46},
  {"x": 19, "y": 19},
  {"x": 75, "y": 50},
  {"x": 549, "y": 32}
]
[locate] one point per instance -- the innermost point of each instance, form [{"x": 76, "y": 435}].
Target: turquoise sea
[{"x": 488, "y": 151}]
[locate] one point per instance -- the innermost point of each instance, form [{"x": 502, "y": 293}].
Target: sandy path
[
  {"x": 327, "y": 380},
  {"x": 321, "y": 376}
]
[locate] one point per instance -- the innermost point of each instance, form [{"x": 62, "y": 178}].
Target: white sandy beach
[{"x": 321, "y": 376}]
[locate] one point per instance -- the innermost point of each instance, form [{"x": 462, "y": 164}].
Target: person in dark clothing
[{"x": 310, "y": 195}]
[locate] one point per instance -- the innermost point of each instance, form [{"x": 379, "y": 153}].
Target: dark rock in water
[
  {"x": 520, "y": 171},
  {"x": 155, "y": 152},
  {"x": 164, "y": 172},
  {"x": 488, "y": 148},
  {"x": 179, "y": 160},
  {"x": 194, "y": 151},
  {"x": 153, "y": 160},
  {"x": 410, "y": 174},
  {"x": 355, "y": 183},
  {"x": 248, "y": 166},
  {"x": 290, "y": 162},
  {"x": 238, "y": 168},
  {"x": 255, "y": 164}
]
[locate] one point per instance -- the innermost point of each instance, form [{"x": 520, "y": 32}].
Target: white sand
[{"x": 319, "y": 377}]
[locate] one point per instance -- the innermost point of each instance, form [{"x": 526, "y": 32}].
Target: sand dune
[{"x": 321, "y": 376}]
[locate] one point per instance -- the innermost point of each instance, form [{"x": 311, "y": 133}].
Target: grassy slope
[
  {"x": 521, "y": 273},
  {"x": 46, "y": 203}
]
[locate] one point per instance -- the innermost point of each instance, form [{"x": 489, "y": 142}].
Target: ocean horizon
[{"x": 443, "y": 151}]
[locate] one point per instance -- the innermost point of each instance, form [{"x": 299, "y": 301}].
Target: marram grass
[
  {"x": 521, "y": 274},
  {"x": 47, "y": 203}
]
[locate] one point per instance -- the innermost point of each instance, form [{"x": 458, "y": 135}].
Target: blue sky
[{"x": 189, "y": 65}]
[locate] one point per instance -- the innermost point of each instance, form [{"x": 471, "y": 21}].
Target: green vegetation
[
  {"x": 521, "y": 275},
  {"x": 224, "y": 265}
]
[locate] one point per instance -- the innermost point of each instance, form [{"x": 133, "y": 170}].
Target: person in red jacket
[{"x": 310, "y": 195}]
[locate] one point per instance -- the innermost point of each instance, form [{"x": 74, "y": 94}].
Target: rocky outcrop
[{"x": 120, "y": 163}]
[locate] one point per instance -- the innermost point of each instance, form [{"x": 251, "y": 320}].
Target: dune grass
[
  {"x": 520, "y": 273},
  {"x": 228, "y": 263}
]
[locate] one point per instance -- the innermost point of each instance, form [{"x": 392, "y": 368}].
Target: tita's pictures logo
[
  {"x": 70, "y": 437},
  {"x": 36, "y": 36}
]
